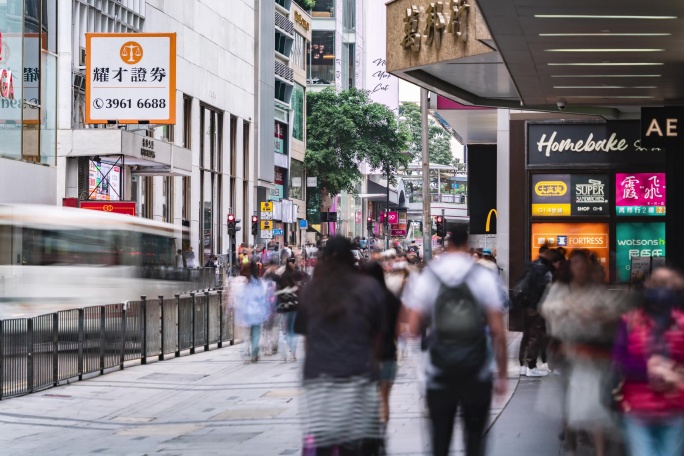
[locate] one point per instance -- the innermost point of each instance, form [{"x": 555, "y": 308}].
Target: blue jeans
[
  {"x": 662, "y": 437},
  {"x": 288, "y": 330},
  {"x": 255, "y": 336}
]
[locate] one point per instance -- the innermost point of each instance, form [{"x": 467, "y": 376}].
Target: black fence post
[
  {"x": 81, "y": 329},
  {"x": 194, "y": 310},
  {"x": 124, "y": 317},
  {"x": 207, "y": 326},
  {"x": 178, "y": 329},
  {"x": 161, "y": 316},
  {"x": 102, "y": 338},
  {"x": 221, "y": 316},
  {"x": 143, "y": 306},
  {"x": 2, "y": 359},
  {"x": 29, "y": 357},
  {"x": 55, "y": 349}
]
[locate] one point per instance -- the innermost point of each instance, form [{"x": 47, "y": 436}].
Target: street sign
[
  {"x": 266, "y": 216},
  {"x": 266, "y": 225},
  {"x": 266, "y": 234},
  {"x": 278, "y": 232},
  {"x": 312, "y": 182},
  {"x": 130, "y": 78},
  {"x": 398, "y": 232},
  {"x": 267, "y": 206},
  {"x": 303, "y": 224}
]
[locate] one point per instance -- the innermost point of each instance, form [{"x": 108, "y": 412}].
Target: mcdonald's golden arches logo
[{"x": 489, "y": 219}]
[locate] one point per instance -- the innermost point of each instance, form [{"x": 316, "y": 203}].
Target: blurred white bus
[{"x": 56, "y": 258}]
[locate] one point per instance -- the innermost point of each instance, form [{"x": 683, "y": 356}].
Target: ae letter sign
[{"x": 131, "y": 78}]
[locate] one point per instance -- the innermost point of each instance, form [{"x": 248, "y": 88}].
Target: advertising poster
[
  {"x": 641, "y": 194},
  {"x": 104, "y": 181},
  {"x": 637, "y": 240},
  {"x": 279, "y": 138},
  {"x": 591, "y": 236}
]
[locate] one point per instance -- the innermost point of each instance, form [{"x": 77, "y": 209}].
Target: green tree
[
  {"x": 306, "y": 4},
  {"x": 439, "y": 140},
  {"x": 345, "y": 129}
]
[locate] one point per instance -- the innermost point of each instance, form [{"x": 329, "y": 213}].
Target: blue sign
[
  {"x": 278, "y": 232},
  {"x": 562, "y": 241},
  {"x": 303, "y": 224}
]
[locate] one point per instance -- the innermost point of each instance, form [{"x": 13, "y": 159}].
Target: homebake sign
[{"x": 610, "y": 143}]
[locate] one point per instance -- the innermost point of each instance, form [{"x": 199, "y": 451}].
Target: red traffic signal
[
  {"x": 231, "y": 218},
  {"x": 255, "y": 219},
  {"x": 369, "y": 219},
  {"x": 439, "y": 219}
]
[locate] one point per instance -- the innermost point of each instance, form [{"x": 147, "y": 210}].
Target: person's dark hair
[
  {"x": 374, "y": 269},
  {"x": 564, "y": 273},
  {"x": 458, "y": 236},
  {"x": 543, "y": 249},
  {"x": 328, "y": 293}
]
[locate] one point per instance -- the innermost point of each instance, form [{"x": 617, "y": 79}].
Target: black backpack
[{"x": 458, "y": 338}]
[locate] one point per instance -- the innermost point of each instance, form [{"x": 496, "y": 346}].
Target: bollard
[
  {"x": 143, "y": 304},
  {"x": 206, "y": 330},
  {"x": 55, "y": 349},
  {"x": 29, "y": 357},
  {"x": 102, "y": 339},
  {"x": 178, "y": 331},
  {"x": 124, "y": 317},
  {"x": 161, "y": 316},
  {"x": 194, "y": 309},
  {"x": 221, "y": 316},
  {"x": 81, "y": 329}
]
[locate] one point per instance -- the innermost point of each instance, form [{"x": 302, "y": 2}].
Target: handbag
[{"x": 288, "y": 300}]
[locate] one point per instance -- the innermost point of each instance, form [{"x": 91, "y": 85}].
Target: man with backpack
[{"x": 458, "y": 304}]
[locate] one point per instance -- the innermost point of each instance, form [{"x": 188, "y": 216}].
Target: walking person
[
  {"x": 388, "y": 357},
  {"x": 458, "y": 301},
  {"x": 288, "y": 301},
  {"x": 341, "y": 315},
  {"x": 252, "y": 308},
  {"x": 649, "y": 360},
  {"x": 583, "y": 315}
]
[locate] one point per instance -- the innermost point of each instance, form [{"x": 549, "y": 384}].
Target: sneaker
[
  {"x": 523, "y": 370},
  {"x": 545, "y": 367},
  {"x": 293, "y": 358},
  {"x": 535, "y": 372}
]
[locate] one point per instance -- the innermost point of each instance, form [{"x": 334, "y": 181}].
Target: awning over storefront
[
  {"x": 376, "y": 189},
  {"x": 145, "y": 156}
]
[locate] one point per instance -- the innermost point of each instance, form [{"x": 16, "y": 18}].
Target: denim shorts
[{"x": 388, "y": 371}]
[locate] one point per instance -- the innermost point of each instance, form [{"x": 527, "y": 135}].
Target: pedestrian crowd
[{"x": 616, "y": 357}]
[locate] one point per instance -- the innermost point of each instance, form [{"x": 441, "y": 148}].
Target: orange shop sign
[{"x": 117, "y": 207}]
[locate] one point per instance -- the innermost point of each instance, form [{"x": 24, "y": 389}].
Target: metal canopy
[{"x": 609, "y": 53}]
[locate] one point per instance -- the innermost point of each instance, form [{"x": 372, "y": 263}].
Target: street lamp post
[{"x": 387, "y": 234}]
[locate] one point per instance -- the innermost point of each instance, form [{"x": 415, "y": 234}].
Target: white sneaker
[
  {"x": 545, "y": 367},
  {"x": 523, "y": 370},
  {"x": 536, "y": 372}
]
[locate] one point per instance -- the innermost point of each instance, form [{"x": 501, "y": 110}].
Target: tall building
[
  {"x": 281, "y": 114},
  {"x": 28, "y": 101},
  {"x": 193, "y": 173}
]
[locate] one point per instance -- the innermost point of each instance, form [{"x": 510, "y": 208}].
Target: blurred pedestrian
[
  {"x": 252, "y": 307},
  {"x": 583, "y": 315},
  {"x": 649, "y": 360},
  {"x": 458, "y": 301},
  {"x": 388, "y": 357},
  {"x": 341, "y": 314},
  {"x": 287, "y": 303}
]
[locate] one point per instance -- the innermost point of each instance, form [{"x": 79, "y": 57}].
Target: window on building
[
  {"x": 167, "y": 133},
  {"x": 296, "y": 187},
  {"x": 323, "y": 8},
  {"x": 186, "y": 203},
  {"x": 298, "y": 54},
  {"x": 349, "y": 15},
  {"x": 297, "y": 103},
  {"x": 167, "y": 194},
  {"x": 245, "y": 149},
  {"x": 211, "y": 145},
  {"x": 187, "y": 122},
  {"x": 322, "y": 57}
]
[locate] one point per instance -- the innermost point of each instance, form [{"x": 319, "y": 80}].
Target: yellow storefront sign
[
  {"x": 266, "y": 225},
  {"x": 551, "y": 210},
  {"x": 267, "y": 206}
]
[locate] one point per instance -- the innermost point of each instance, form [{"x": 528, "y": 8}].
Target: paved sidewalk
[{"x": 206, "y": 404}]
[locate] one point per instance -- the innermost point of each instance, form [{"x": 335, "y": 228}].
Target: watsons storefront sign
[{"x": 610, "y": 143}]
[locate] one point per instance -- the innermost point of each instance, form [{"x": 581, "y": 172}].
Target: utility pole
[
  {"x": 387, "y": 233},
  {"x": 427, "y": 220}
]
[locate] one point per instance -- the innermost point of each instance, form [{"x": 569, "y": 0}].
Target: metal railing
[{"x": 43, "y": 351}]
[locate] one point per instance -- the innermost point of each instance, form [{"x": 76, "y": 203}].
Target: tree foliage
[
  {"x": 439, "y": 140},
  {"x": 345, "y": 129},
  {"x": 306, "y": 4}
]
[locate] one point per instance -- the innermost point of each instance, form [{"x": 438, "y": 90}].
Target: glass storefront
[
  {"x": 28, "y": 80},
  {"x": 322, "y": 57},
  {"x": 298, "y": 112}
]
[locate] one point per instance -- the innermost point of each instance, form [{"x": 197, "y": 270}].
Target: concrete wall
[{"x": 22, "y": 182}]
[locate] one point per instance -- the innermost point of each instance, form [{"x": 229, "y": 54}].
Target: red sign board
[
  {"x": 117, "y": 207},
  {"x": 398, "y": 232}
]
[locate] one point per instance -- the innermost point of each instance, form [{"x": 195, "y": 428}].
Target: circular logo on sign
[
  {"x": 131, "y": 52},
  {"x": 108, "y": 208}
]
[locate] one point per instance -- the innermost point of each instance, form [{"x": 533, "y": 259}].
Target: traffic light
[
  {"x": 369, "y": 223},
  {"x": 231, "y": 225},
  {"x": 439, "y": 221},
  {"x": 255, "y": 225}
]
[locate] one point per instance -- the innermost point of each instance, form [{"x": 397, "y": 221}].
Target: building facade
[
  {"x": 28, "y": 101},
  {"x": 203, "y": 167}
]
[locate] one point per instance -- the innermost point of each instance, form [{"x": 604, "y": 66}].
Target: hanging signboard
[
  {"x": 640, "y": 194},
  {"x": 563, "y": 195},
  {"x": 637, "y": 240},
  {"x": 131, "y": 78}
]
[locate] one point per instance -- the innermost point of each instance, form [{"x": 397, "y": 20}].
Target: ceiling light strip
[
  {"x": 604, "y": 50},
  {"x": 605, "y": 34},
  {"x": 607, "y": 76},
  {"x": 607, "y": 64},
  {"x": 605, "y": 87},
  {"x": 594, "y": 16},
  {"x": 630, "y": 97}
]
